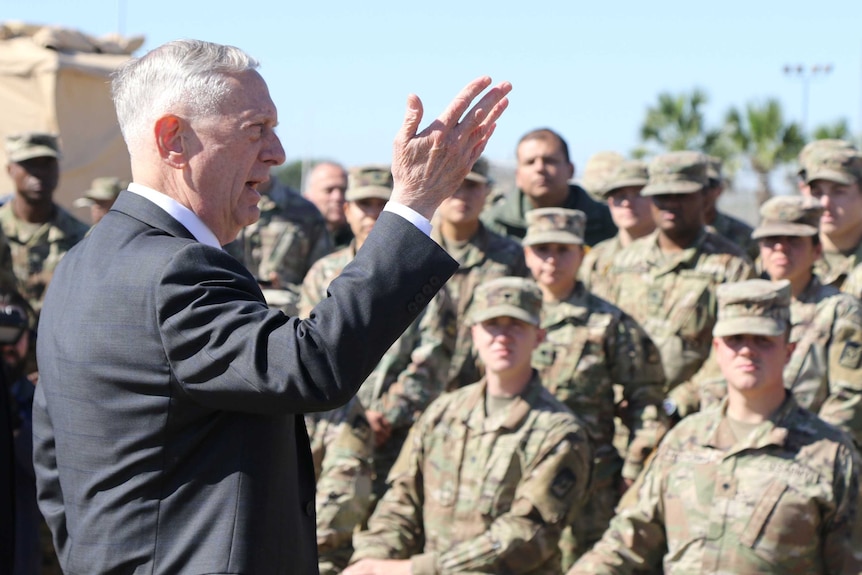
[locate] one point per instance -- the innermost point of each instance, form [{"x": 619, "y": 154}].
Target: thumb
[{"x": 412, "y": 117}]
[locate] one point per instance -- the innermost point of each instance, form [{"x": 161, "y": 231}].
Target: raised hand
[{"x": 430, "y": 165}]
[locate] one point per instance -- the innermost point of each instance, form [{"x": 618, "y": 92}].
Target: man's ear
[{"x": 169, "y": 131}]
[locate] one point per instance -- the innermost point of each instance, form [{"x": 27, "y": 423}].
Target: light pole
[{"x": 805, "y": 75}]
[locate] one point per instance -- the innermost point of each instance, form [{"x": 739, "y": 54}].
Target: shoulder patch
[
  {"x": 851, "y": 355},
  {"x": 563, "y": 483}
]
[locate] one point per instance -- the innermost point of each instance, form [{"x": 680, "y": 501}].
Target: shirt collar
[{"x": 179, "y": 212}]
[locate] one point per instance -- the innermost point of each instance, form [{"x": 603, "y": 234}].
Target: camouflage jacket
[
  {"x": 737, "y": 232},
  {"x": 824, "y": 372},
  {"x": 482, "y": 494},
  {"x": 835, "y": 268},
  {"x": 597, "y": 263},
  {"x": 590, "y": 345},
  {"x": 673, "y": 296},
  {"x": 37, "y": 249},
  {"x": 341, "y": 448},
  {"x": 783, "y": 500},
  {"x": 282, "y": 245},
  {"x": 507, "y": 215}
]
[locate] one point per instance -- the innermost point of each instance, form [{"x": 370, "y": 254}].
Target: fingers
[
  {"x": 412, "y": 118},
  {"x": 452, "y": 114},
  {"x": 489, "y": 108}
]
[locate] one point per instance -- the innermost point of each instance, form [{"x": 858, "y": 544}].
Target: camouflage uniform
[
  {"x": 726, "y": 496},
  {"x": 288, "y": 238},
  {"x": 507, "y": 215},
  {"x": 37, "y": 248},
  {"x": 782, "y": 500},
  {"x": 673, "y": 295},
  {"x": 482, "y": 494},
  {"x": 341, "y": 449}
]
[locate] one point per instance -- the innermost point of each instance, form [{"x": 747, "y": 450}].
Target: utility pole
[{"x": 806, "y": 74}]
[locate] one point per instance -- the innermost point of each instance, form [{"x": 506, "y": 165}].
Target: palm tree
[
  {"x": 677, "y": 122},
  {"x": 839, "y": 130},
  {"x": 761, "y": 135}
]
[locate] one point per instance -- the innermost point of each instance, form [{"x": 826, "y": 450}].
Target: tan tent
[{"x": 67, "y": 92}]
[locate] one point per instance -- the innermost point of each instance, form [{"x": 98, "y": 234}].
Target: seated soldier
[
  {"x": 756, "y": 485},
  {"x": 591, "y": 345},
  {"x": 490, "y": 473}
]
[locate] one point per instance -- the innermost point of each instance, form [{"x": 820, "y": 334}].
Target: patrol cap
[
  {"x": 373, "y": 181},
  {"x": 819, "y": 146},
  {"x": 840, "y": 166},
  {"x": 106, "y": 188},
  {"x": 627, "y": 173},
  {"x": 598, "y": 168},
  {"x": 755, "y": 307},
  {"x": 554, "y": 226},
  {"x": 788, "y": 216},
  {"x": 515, "y": 297},
  {"x": 29, "y": 145},
  {"x": 677, "y": 173},
  {"x": 479, "y": 172}
]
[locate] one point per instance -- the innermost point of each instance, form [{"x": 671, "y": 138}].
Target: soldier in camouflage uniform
[
  {"x": 813, "y": 148},
  {"x": 281, "y": 246},
  {"x": 632, "y": 215},
  {"x": 100, "y": 197},
  {"x": 589, "y": 346},
  {"x": 824, "y": 373},
  {"x": 341, "y": 449},
  {"x": 491, "y": 472},
  {"x": 725, "y": 225},
  {"x": 390, "y": 409},
  {"x": 834, "y": 177},
  {"x": 757, "y": 485},
  {"x": 666, "y": 281},
  {"x": 542, "y": 178},
  {"x": 39, "y": 231}
]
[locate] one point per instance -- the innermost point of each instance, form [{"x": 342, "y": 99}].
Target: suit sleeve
[
  {"x": 227, "y": 350},
  {"x": 49, "y": 491}
]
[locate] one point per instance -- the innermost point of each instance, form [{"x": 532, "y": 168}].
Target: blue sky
[{"x": 339, "y": 72}]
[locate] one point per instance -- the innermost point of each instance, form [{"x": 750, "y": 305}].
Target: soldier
[
  {"x": 341, "y": 448},
  {"x": 491, "y": 472},
  {"x": 813, "y": 148},
  {"x": 542, "y": 177},
  {"x": 632, "y": 215},
  {"x": 39, "y": 231},
  {"x": 824, "y": 373},
  {"x": 725, "y": 225},
  {"x": 482, "y": 255},
  {"x": 667, "y": 280},
  {"x": 758, "y": 485},
  {"x": 589, "y": 346},
  {"x": 100, "y": 197},
  {"x": 282, "y": 245},
  {"x": 833, "y": 177},
  {"x": 325, "y": 188}
]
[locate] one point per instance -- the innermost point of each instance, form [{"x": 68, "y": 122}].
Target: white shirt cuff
[{"x": 410, "y": 215}]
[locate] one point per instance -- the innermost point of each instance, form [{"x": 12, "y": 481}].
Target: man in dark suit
[{"x": 167, "y": 428}]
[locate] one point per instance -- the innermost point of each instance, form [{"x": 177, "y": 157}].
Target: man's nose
[{"x": 273, "y": 152}]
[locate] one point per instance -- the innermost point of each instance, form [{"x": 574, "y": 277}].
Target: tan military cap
[
  {"x": 840, "y": 166},
  {"x": 515, "y": 297},
  {"x": 107, "y": 188},
  {"x": 554, "y": 226},
  {"x": 755, "y": 307},
  {"x": 818, "y": 147},
  {"x": 677, "y": 173},
  {"x": 21, "y": 147},
  {"x": 598, "y": 168},
  {"x": 374, "y": 181},
  {"x": 788, "y": 216},
  {"x": 627, "y": 173},
  {"x": 479, "y": 172}
]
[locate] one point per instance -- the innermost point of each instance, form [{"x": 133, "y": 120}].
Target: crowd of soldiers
[{"x": 620, "y": 379}]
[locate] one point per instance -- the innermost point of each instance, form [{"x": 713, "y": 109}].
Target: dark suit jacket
[{"x": 167, "y": 432}]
